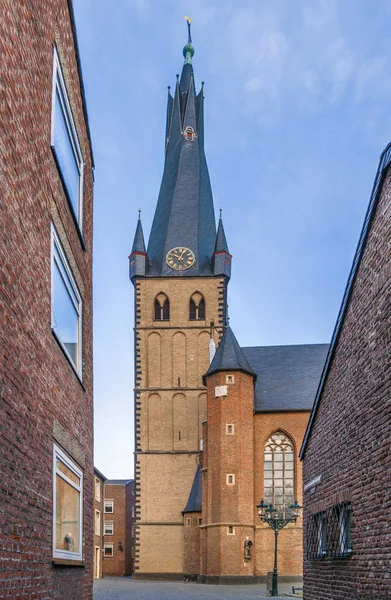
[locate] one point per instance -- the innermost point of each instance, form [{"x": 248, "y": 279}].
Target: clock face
[{"x": 180, "y": 258}]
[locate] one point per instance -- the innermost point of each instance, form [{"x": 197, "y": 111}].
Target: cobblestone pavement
[{"x": 123, "y": 588}]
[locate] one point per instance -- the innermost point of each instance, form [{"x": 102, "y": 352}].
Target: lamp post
[{"x": 268, "y": 514}]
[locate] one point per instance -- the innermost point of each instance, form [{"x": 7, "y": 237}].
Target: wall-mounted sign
[
  {"x": 313, "y": 483},
  {"x": 221, "y": 390}
]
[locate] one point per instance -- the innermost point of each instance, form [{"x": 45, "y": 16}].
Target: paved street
[{"x": 123, "y": 588}]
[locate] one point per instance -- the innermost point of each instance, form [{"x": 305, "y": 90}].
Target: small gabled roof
[
  {"x": 229, "y": 357},
  {"x": 221, "y": 241},
  {"x": 97, "y": 472},
  {"x": 194, "y": 503},
  {"x": 138, "y": 242}
]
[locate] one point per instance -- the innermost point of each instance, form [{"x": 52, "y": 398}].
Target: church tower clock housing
[{"x": 180, "y": 282}]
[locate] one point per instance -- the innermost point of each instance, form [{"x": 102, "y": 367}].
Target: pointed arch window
[
  {"x": 279, "y": 472},
  {"x": 162, "y": 307},
  {"x": 197, "y": 307}
]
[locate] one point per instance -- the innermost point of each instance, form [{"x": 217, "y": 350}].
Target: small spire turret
[
  {"x": 221, "y": 257},
  {"x": 138, "y": 256}
]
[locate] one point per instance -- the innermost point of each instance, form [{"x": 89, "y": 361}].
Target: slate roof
[
  {"x": 184, "y": 215},
  {"x": 288, "y": 376},
  {"x": 229, "y": 356},
  {"x": 221, "y": 240},
  {"x": 194, "y": 503},
  {"x": 138, "y": 242}
]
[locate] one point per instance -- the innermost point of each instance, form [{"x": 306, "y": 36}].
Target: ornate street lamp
[{"x": 268, "y": 514}]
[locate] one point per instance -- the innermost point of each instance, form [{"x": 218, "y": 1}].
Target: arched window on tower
[
  {"x": 162, "y": 307},
  {"x": 279, "y": 472},
  {"x": 197, "y": 307}
]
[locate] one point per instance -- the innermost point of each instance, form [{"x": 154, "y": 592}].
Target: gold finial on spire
[{"x": 189, "y": 21}]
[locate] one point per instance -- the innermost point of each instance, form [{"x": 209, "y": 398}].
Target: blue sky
[{"x": 297, "y": 109}]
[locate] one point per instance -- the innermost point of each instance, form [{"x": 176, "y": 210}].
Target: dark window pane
[
  {"x": 193, "y": 312},
  {"x": 67, "y": 161},
  {"x": 201, "y": 309}
]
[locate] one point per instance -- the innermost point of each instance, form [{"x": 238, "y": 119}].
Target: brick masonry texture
[
  {"x": 121, "y": 563},
  {"x": 170, "y": 405},
  {"x": 349, "y": 444},
  {"x": 241, "y": 454},
  {"x": 42, "y": 400}
]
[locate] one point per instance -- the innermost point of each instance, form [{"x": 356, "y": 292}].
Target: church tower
[{"x": 180, "y": 282}]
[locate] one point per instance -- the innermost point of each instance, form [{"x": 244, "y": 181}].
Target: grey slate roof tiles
[
  {"x": 288, "y": 376},
  {"x": 229, "y": 356},
  {"x": 194, "y": 503}
]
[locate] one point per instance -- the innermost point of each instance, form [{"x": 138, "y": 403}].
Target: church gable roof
[
  {"x": 288, "y": 376},
  {"x": 194, "y": 503}
]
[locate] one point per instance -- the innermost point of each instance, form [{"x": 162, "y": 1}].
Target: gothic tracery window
[
  {"x": 162, "y": 307},
  {"x": 197, "y": 307},
  {"x": 279, "y": 472}
]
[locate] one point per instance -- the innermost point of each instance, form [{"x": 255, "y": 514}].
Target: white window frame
[
  {"x": 228, "y": 426},
  {"x": 112, "y": 528},
  {"x": 106, "y": 504},
  {"x": 59, "y": 84},
  {"x": 112, "y": 550},
  {"x": 97, "y": 489},
  {"x": 228, "y": 482},
  {"x": 65, "y": 268},
  {"x": 59, "y": 454},
  {"x": 97, "y": 522},
  {"x": 230, "y": 532}
]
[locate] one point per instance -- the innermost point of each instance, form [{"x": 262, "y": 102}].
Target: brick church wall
[
  {"x": 349, "y": 444},
  {"x": 290, "y": 539},
  {"x": 42, "y": 399}
]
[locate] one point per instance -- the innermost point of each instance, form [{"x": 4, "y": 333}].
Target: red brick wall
[
  {"x": 290, "y": 539},
  {"x": 229, "y": 454},
  {"x": 41, "y": 398},
  {"x": 349, "y": 445},
  {"x": 120, "y": 563}
]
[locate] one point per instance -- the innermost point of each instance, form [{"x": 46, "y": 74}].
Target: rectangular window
[
  {"x": 97, "y": 522},
  {"x": 67, "y": 507},
  {"x": 230, "y": 479},
  {"x": 66, "y": 304},
  {"x": 199, "y": 522},
  {"x": 97, "y": 489},
  {"x": 65, "y": 143},
  {"x": 109, "y": 506},
  {"x": 230, "y": 430},
  {"x": 230, "y": 530},
  {"x": 321, "y": 534},
  {"x": 188, "y": 522},
  {"x": 343, "y": 512},
  {"x": 109, "y": 528},
  {"x": 229, "y": 379},
  {"x": 108, "y": 550}
]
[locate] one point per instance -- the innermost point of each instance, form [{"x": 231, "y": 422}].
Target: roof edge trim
[{"x": 384, "y": 162}]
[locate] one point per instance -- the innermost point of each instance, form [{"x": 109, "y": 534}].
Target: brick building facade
[
  {"x": 346, "y": 454},
  {"x": 46, "y": 409},
  {"x": 99, "y": 493},
  {"x": 118, "y": 527},
  {"x": 195, "y": 509}
]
